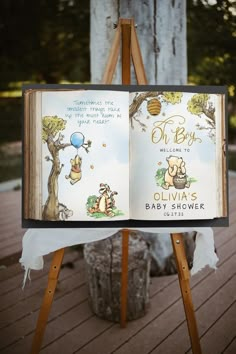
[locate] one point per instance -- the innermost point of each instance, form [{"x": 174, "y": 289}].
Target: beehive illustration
[{"x": 154, "y": 106}]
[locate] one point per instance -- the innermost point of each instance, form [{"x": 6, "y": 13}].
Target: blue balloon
[{"x": 77, "y": 140}]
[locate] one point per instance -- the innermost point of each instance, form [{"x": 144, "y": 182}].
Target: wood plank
[
  {"x": 231, "y": 347},
  {"x": 69, "y": 321},
  {"x": 221, "y": 333},
  {"x": 52, "y": 334},
  {"x": 10, "y": 202},
  {"x": 144, "y": 340},
  {"x": 225, "y": 253},
  {"x": 9, "y": 251},
  {"x": 11, "y": 271},
  {"x": 14, "y": 281},
  {"x": 11, "y": 227},
  {"x": 72, "y": 303},
  {"x": 14, "y": 237},
  {"x": 10, "y": 259},
  {"x": 26, "y": 325},
  {"x": 31, "y": 299},
  {"x": 9, "y": 296},
  {"x": 79, "y": 336},
  {"x": 114, "y": 338},
  {"x": 9, "y": 198},
  {"x": 208, "y": 309},
  {"x": 71, "y": 263}
]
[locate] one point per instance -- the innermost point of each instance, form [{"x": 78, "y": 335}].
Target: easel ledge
[{"x": 125, "y": 34}]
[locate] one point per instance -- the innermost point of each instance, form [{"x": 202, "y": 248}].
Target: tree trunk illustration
[
  {"x": 51, "y": 126},
  {"x": 51, "y": 208}
]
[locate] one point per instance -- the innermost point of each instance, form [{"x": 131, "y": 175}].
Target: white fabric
[
  {"x": 39, "y": 242},
  {"x": 204, "y": 253}
]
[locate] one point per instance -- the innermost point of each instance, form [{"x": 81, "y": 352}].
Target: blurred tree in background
[
  {"x": 211, "y": 38},
  {"x": 44, "y": 41},
  {"x": 48, "y": 41},
  {"x": 41, "y": 42}
]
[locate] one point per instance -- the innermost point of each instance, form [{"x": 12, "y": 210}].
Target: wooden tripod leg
[
  {"x": 137, "y": 58},
  {"x": 113, "y": 57},
  {"x": 124, "y": 277},
  {"x": 184, "y": 276},
  {"x": 47, "y": 300},
  {"x": 126, "y": 51}
]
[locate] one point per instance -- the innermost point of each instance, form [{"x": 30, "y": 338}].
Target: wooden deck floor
[{"x": 72, "y": 328}]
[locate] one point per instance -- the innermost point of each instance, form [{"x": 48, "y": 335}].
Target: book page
[
  {"x": 37, "y": 156},
  {"x": 85, "y": 155},
  {"x": 173, "y": 156},
  {"x": 221, "y": 155}
]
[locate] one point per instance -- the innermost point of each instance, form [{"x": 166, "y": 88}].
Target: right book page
[{"x": 176, "y": 167}]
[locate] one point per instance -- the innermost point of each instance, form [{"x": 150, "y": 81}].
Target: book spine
[
  {"x": 26, "y": 166},
  {"x": 224, "y": 162}
]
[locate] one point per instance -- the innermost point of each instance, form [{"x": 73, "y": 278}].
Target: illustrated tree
[
  {"x": 140, "y": 98},
  {"x": 51, "y": 135},
  {"x": 201, "y": 104},
  {"x": 51, "y": 126}
]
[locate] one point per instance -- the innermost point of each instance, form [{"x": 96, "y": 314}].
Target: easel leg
[
  {"x": 184, "y": 276},
  {"x": 126, "y": 51},
  {"x": 47, "y": 300},
  {"x": 124, "y": 277}
]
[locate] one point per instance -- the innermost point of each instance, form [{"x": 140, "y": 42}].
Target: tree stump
[{"x": 103, "y": 266}]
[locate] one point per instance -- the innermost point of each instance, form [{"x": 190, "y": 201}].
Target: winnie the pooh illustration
[
  {"x": 175, "y": 174},
  {"x": 75, "y": 172}
]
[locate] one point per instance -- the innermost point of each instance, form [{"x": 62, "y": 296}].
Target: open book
[{"x": 99, "y": 153}]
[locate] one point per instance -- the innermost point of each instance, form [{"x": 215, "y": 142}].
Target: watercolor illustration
[
  {"x": 77, "y": 140},
  {"x": 154, "y": 101},
  {"x": 174, "y": 175},
  {"x": 201, "y": 105},
  {"x": 104, "y": 204},
  {"x": 52, "y": 126}
]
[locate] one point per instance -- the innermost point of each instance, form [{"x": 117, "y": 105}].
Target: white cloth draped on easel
[{"x": 39, "y": 242}]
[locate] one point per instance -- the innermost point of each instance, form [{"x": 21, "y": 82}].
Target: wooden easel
[{"x": 125, "y": 34}]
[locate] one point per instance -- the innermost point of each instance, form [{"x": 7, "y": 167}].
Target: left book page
[{"x": 84, "y": 142}]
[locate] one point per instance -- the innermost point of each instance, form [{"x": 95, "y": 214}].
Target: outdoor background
[{"x": 48, "y": 42}]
